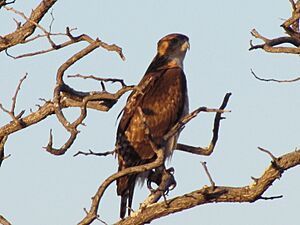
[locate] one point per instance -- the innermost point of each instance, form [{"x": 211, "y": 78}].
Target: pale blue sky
[{"x": 38, "y": 188}]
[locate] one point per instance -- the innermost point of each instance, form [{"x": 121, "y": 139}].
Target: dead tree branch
[
  {"x": 285, "y": 44},
  {"x": 64, "y": 96},
  {"x": 11, "y": 112},
  {"x": 208, "y": 175},
  {"x": 209, "y": 149},
  {"x": 27, "y": 29},
  {"x": 4, "y": 221},
  {"x": 274, "y": 80},
  {"x": 291, "y": 27},
  {"x": 2, "y": 143},
  {"x": 94, "y": 153},
  {"x": 4, "y": 3},
  {"x": 206, "y": 195}
]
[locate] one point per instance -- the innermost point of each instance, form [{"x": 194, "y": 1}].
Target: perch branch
[
  {"x": 206, "y": 195},
  {"x": 92, "y": 213}
]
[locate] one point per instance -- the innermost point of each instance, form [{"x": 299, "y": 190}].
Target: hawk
[{"x": 160, "y": 101}]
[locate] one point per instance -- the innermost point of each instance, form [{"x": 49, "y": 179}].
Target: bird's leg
[
  {"x": 155, "y": 177},
  {"x": 163, "y": 178}
]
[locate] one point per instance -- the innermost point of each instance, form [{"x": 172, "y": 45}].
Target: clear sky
[{"x": 39, "y": 188}]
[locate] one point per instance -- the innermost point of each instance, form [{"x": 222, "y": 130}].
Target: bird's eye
[{"x": 174, "y": 41}]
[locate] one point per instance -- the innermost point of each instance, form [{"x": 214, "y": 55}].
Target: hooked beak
[{"x": 185, "y": 46}]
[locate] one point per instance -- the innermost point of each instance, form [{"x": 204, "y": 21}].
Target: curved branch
[
  {"x": 206, "y": 195},
  {"x": 291, "y": 27},
  {"x": 209, "y": 149},
  {"x": 92, "y": 213},
  {"x": 60, "y": 85},
  {"x": 274, "y": 80},
  {"x": 269, "y": 44}
]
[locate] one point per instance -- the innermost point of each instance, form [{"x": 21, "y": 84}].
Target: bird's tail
[{"x": 125, "y": 188}]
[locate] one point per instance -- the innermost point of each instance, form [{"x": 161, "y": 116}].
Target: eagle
[{"x": 156, "y": 105}]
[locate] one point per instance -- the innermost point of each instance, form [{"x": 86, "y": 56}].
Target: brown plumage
[{"x": 163, "y": 99}]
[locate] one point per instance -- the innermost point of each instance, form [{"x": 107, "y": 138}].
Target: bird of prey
[{"x": 159, "y": 102}]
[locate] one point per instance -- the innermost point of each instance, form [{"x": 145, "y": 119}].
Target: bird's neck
[{"x": 161, "y": 62}]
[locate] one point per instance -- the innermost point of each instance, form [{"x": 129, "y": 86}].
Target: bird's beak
[{"x": 185, "y": 46}]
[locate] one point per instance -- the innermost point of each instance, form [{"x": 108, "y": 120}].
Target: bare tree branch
[
  {"x": 113, "y": 80},
  {"x": 4, "y": 2},
  {"x": 208, "y": 175},
  {"x": 209, "y": 149},
  {"x": 94, "y": 153},
  {"x": 269, "y": 44},
  {"x": 4, "y": 221},
  {"x": 291, "y": 27},
  {"x": 206, "y": 195},
  {"x": 2, "y": 143},
  {"x": 286, "y": 44},
  {"x": 274, "y": 80},
  {"x": 27, "y": 29}
]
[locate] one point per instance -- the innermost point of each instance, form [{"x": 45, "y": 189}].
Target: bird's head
[
  {"x": 171, "y": 51},
  {"x": 173, "y": 47}
]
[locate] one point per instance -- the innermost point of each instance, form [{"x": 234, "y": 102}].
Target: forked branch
[
  {"x": 289, "y": 43},
  {"x": 209, "y": 149}
]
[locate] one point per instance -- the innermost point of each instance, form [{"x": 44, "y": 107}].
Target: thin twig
[
  {"x": 94, "y": 153},
  {"x": 113, "y": 80},
  {"x": 274, "y": 80},
  {"x": 14, "y": 99},
  {"x": 269, "y": 153},
  {"x": 208, "y": 174},
  {"x": 11, "y": 112},
  {"x": 271, "y": 198}
]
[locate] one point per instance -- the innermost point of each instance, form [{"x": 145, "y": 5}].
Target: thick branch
[
  {"x": 60, "y": 85},
  {"x": 4, "y": 221},
  {"x": 205, "y": 195},
  {"x": 103, "y": 102},
  {"x": 27, "y": 29},
  {"x": 269, "y": 44},
  {"x": 291, "y": 27}
]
